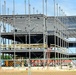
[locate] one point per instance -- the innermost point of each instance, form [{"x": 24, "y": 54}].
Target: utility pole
[
  {"x": 4, "y": 8},
  {"x": 55, "y": 33},
  {"x": 37, "y": 11},
  {"x": 25, "y": 21},
  {"x": 0, "y": 8},
  {"x": 8, "y": 27},
  {"x": 33, "y": 10},
  {"x": 58, "y": 34},
  {"x": 25, "y": 6},
  {"x": 61, "y": 37},
  {"x": 44, "y": 37},
  {"x": 14, "y": 31},
  {"x": 4, "y": 24},
  {"x": 0, "y": 42},
  {"x": 29, "y": 65},
  {"x": 0, "y": 33}
]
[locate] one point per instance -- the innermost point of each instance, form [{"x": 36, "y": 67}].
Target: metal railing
[{"x": 22, "y": 46}]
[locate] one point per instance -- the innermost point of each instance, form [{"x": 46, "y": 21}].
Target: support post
[
  {"x": 25, "y": 6},
  {"x": 54, "y": 33},
  {"x": 14, "y": 31},
  {"x": 29, "y": 65},
  {"x": 0, "y": 34},
  {"x": 0, "y": 44}
]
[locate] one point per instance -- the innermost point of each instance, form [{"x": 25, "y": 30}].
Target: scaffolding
[{"x": 37, "y": 39}]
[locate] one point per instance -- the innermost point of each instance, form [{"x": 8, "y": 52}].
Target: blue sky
[{"x": 68, "y": 6}]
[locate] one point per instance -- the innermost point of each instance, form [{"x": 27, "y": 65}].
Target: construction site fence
[{"x": 33, "y": 62}]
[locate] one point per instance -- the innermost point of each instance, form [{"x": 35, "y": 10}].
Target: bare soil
[{"x": 11, "y": 72}]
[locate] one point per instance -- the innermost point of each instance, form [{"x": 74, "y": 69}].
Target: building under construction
[{"x": 36, "y": 38}]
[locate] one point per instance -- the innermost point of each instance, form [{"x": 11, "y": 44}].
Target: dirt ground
[{"x": 38, "y": 73}]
